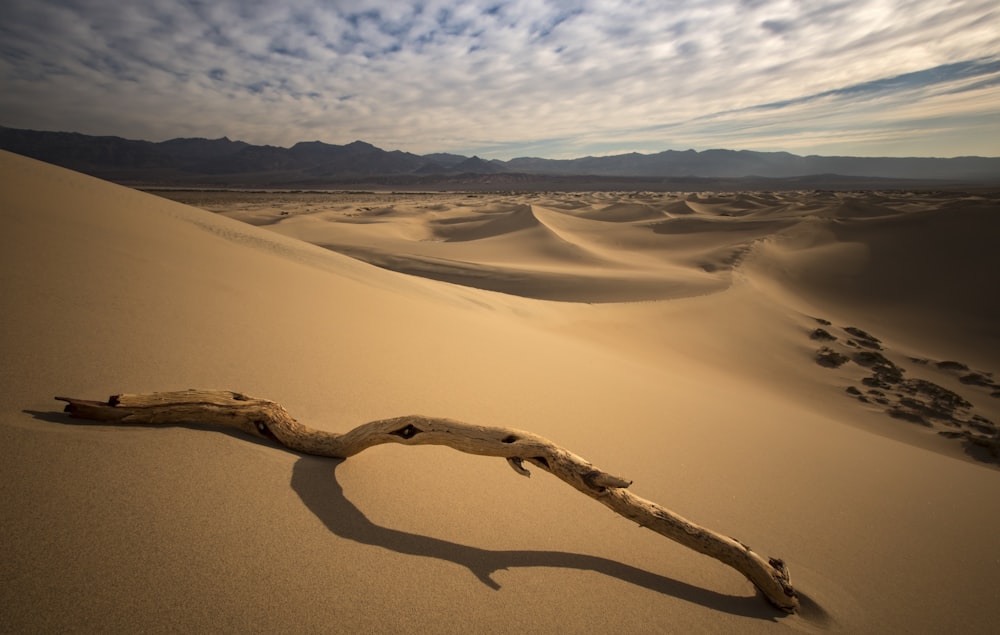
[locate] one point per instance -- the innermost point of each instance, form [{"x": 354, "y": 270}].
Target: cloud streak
[{"x": 514, "y": 78}]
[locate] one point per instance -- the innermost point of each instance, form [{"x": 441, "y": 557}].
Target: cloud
[
  {"x": 501, "y": 78},
  {"x": 934, "y": 112}
]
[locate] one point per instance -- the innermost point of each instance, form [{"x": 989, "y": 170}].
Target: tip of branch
[{"x": 88, "y": 409}]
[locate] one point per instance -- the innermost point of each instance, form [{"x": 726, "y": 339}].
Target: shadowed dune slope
[{"x": 926, "y": 275}]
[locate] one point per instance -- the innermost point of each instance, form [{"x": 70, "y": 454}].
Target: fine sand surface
[{"x": 668, "y": 338}]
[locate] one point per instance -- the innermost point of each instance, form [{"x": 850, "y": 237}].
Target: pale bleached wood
[{"x": 268, "y": 420}]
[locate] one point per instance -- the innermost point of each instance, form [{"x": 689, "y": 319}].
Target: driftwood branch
[{"x": 267, "y": 419}]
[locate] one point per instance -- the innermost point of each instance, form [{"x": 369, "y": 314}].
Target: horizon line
[{"x": 226, "y": 137}]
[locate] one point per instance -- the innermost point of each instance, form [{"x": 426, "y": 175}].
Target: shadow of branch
[{"x": 315, "y": 481}]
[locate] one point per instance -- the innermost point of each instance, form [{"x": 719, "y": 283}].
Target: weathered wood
[{"x": 267, "y": 419}]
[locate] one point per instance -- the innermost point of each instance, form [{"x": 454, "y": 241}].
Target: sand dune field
[{"x": 812, "y": 373}]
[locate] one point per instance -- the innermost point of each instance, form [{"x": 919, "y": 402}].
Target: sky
[{"x": 502, "y": 79}]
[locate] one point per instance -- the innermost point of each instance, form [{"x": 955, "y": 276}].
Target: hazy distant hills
[
  {"x": 226, "y": 163},
  {"x": 746, "y": 163}
]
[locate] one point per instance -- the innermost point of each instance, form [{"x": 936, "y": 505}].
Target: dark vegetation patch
[
  {"x": 830, "y": 358},
  {"x": 943, "y": 396},
  {"x": 872, "y": 359},
  {"x": 950, "y": 365},
  {"x": 907, "y": 415},
  {"x": 976, "y": 379},
  {"x": 912, "y": 399},
  {"x": 864, "y": 338},
  {"x": 822, "y": 335}
]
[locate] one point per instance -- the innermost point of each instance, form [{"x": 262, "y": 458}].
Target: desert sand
[{"x": 779, "y": 367}]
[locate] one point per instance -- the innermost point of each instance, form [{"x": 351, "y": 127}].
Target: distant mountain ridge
[
  {"x": 747, "y": 163},
  {"x": 196, "y": 161}
]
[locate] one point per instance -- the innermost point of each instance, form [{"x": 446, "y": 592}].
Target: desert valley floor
[{"x": 812, "y": 373}]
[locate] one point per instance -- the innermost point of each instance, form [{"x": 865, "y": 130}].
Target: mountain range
[{"x": 222, "y": 162}]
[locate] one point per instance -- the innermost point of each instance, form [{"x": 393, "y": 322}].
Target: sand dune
[
  {"x": 925, "y": 274},
  {"x": 707, "y": 393}
]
